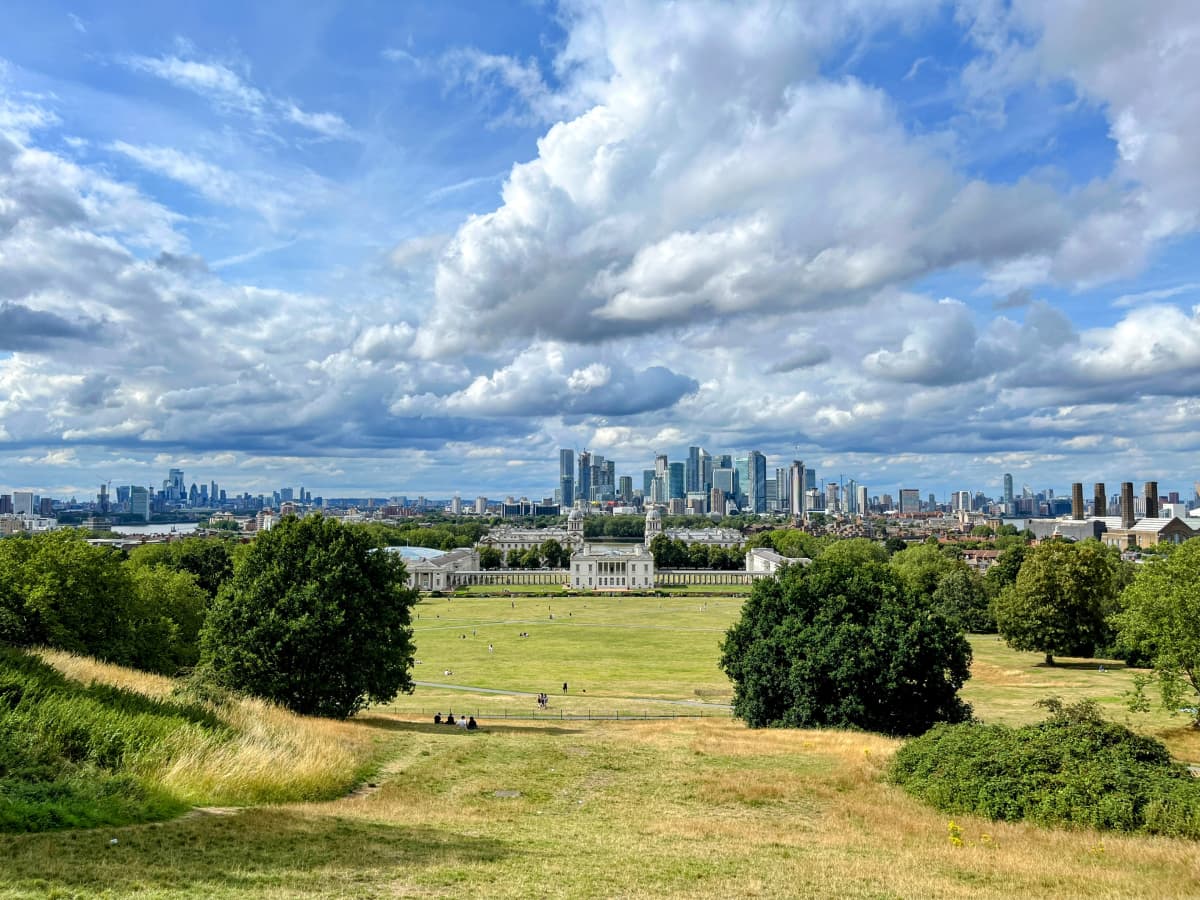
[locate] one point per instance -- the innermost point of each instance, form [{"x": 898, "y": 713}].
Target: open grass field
[{"x": 659, "y": 808}]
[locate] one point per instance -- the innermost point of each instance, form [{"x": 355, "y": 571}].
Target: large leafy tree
[
  {"x": 165, "y": 617},
  {"x": 59, "y": 590},
  {"x": 1161, "y": 619},
  {"x": 313, "y": 619},
  {"x": 1061, "y": 599},
  {"x": 843, "y": 643},
  {"x": 209, "y": 559}
]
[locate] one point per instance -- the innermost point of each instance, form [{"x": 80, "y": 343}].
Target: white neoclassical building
[
  {"x": 509, "y": 537},
  {"x": 714, "y": 537},
  {"x": 765, "y": 561},
  {"x": 612, "y": 568}
]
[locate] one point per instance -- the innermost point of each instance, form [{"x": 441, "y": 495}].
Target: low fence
[
  {"x": 562, "y": 715},
  {"x": 669, "y": 577}
]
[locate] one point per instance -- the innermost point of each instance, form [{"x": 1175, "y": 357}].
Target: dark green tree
[
  {"x": 1005, "y": 569},
  {"x": 1061, "y": 600},
  {"x": 841, "y": 643},
  {"x": 209, "y": 559},
  {"x": 961, "y": 596},
  {"x": 165, "y": 618},
  {"x": 1161, "y": 620},
  {"x": 313, "y": 619},
  {"x": 490, "y": 558}
]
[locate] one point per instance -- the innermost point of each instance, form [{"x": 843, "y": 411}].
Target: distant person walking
[{"x": 564, "y": 687}]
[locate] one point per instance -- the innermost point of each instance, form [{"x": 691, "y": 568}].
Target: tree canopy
[
  {"x": 1061, "y": 600},
  {"x": 843, "y": 643},
  {"x": 1161, "y": 619},
  {"x": 313, "y": 619}
]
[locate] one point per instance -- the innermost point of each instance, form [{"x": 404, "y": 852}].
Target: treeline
[
  {"x": 145, "y": 610},
  {"x": 672, "y": 553},
  {"x": 443, "y": 535}
]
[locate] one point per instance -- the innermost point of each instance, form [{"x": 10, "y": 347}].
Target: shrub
[{"x": 1072, "y": 769}]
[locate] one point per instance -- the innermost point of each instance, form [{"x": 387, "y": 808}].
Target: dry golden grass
[{"x": 269, "y": 754}]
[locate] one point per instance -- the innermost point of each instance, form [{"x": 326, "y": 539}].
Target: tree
[
  {"x": 313, "y": 619},
  {"x": 1061, "y": 599},
  {"x": 166, "y": 617},
  {"x": 960, "y": 595},
  {"x": 209, "y": 559},
  {"x": 982, "y": 531},
  {"x": 555, "y": 554},
  {"x": 57, "y": 589},
  {"x": 515, "y": 558},
  {"x": 1006, "y": 568},
  {"x": 531, "y": 559},
  {"x": 895, "y": 545},
  {"x": 841, "y": 643},
  {"x": 1161, "y": 619},
  {"x": 922, "y": 566},
  {"x": 490, "y": 558}
]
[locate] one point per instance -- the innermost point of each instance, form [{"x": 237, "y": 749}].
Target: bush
[{"x": 1072, "y": 769}]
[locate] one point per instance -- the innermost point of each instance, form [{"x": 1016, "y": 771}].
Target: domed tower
[
  {"x": 654, "y": 524},
  {"x": 575, "y": 527}
]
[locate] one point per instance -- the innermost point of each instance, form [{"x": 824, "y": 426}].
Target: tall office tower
[
  {"x": 566, "y": 476},
  {"x": 204, "y": 494},
  {"x": 722, "y": 461},
  {"x": 212, "y": 493},
  {"x": 675, "y": 481},
  {"x": 1099, "y": 499},
  {"x": 610, "y": 476},
  {"x": 960, "y": 501},
  {"x": 625, "y": 489},
  {"x": 850, "y": 497},
  {"x": 796, "y": 487},
  {"x": 175, "y": 486},
  {"x": 741, "y": 465},
  {"x": 910, "y": 500},
  {"x": 831, "y": 498},
  {"x": 658, "y": 490},
  {"x": 583, "y": 484},
  {"x": 24, "y": 503},
  {"x": 193, "y": 497},
  {"x": 725, "y": 481},
  {"x": 810, "y": 480},
  {"x": 1150, "y": 493},
  {"x": 756, "y": 485},
  {"x": 933, "y": 504},
  {"x": 661, "y": 466},
  {"x": 647, "y": 481},
  {"x": 481, "y": 505},
  {"x": 706, "y": 467},
  {"x": 1127, "y": 513},
  {"x": 772, "y": 492},
  {"x": 863, "y": 506},
  {"x": 716, "y": 501},
  {"x": 45, "y": 507},
  {"x": 783, "y": 490},
  {"x": 103, "y": 500},
  {"x": 287, "y": 495},
  {"x": 691, "y": 473},
  {"x": 1008, "y": 488},
  {"x": 6, "y": 506},
  {"x": 139, "y": 502}
]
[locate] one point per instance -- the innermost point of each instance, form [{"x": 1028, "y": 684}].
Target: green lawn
[
  {"x": 661, "y": 808},
  {"x": 616, "y": 654}
]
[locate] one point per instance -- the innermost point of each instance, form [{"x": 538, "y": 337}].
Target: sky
[{"x": 400, "y": 248}]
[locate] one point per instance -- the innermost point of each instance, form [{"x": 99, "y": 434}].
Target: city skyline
[{"x": 404, "y": 249}]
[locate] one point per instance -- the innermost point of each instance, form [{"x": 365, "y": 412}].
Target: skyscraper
[
  {"x": 796, "y": 479},
  {"x": 742, "y": 466},
  {"x": 691, "y": 474},
  {"x": 583, "y": 485},
  {"x": 910, "y": 501},
  {"x": 566, "y": 477},
  {"x": 862, "y": 499},
  {"x": 756, "y": 483},
  {"x": 1008, "y": 489},
  {"x": 675, "y": 481},
  {"x": 705, "y": 469}
]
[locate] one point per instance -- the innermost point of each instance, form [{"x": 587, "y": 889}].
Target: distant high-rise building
[
  {"x": 625, "y": 488},
  {"x": 810, "y": 480},
  {"x": 756, "y": 484},
  {"x": 706, "y": 469},
  {"x": 647, "y": 481},
  {"x": 910, "y": 501},
  {"x": 175, "y": 486},
  {"x": 480, "y": 506},
  {"x": 25, "y": 503},
  {"x": 287, "y": 495},
  {"x": 6, "y": 505},
  {"x": 691, "y": 473},
  {"x": 863, "y": 507},
  {"x": 661, "y": 466},
  {"x": 960, "y": 501},
  {"x": 933, "y": 504},
  {"x": 741, "y": 465},
  {"x": 796, "y": 489},
  {"x": 832, "y": 501},
  {"x": 45, "y": 507},
  {"x": 1008, "y": 489},
  {"x": 783, "y": 489},
  {"x": 675, "y": 481},
  {"x": 583, "y": 484},
  {"x": 725, "y": 480},
  {"x": 139, "y": 502},
  {"x": 566, "y": 477},
  {"x": 722, "y": 461}
]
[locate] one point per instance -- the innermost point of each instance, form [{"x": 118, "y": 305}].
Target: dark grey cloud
[
  {"x": 32, "y": 330},
  {"x": 805, "y": 359},
  {"x": 1014, "y": 299}
]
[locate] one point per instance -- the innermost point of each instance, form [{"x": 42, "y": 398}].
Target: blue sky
[{"x": 406, "y": 248}]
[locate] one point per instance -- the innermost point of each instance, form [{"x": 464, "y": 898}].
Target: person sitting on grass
[
  {"x": 437, "y": 718},
  {"x": 471, "y": 724},
  {"x": 450, "y": 719}
]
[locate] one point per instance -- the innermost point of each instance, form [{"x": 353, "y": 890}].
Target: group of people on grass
[{"x": 467, "y": 722}]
